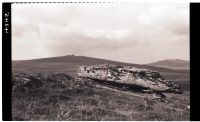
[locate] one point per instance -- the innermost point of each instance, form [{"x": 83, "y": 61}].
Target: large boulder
[{"x": 145, "y": 78}]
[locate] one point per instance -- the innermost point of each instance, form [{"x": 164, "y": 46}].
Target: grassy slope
[{"x": 82, "y": 100}]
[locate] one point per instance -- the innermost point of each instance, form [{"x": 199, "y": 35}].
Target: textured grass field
[
  {"x": 76, "y": 99},
  {"x": 83, "y": 100}
]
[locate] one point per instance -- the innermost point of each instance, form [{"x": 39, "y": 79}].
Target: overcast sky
[{"x": 134, "y": 33}]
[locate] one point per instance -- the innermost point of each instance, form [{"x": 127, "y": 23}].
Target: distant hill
[
  {"x": 172, "y": 64},
  {"x": 70, "y": 64}
]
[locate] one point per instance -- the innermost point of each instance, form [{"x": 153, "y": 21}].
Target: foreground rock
[
  {"x": 128, "y": 75},
  {"x": 23, "y": 81}
]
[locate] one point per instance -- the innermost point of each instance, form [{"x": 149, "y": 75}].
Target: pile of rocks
[{"x": 147, "y": 79}]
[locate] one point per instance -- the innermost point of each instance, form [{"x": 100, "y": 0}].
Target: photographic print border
[{"x": 7, "y": 49}]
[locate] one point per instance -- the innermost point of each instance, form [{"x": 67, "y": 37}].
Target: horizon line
[{"x": 94, "y": 57}]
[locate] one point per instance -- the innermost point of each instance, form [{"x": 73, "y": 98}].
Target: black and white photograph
[{"x": 100, "y": 61}]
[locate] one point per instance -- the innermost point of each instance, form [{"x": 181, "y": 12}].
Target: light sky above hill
[{"x": 127, "y": 32}]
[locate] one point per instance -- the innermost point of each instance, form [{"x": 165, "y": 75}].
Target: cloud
[
  {"x": 167, "y": 17},
  {"x": 136, "y": 33}
]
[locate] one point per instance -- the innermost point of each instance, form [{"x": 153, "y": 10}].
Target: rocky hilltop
[{"x": 128, "y": 75}]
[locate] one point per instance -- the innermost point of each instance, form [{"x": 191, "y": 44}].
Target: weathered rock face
[{"x": 128, "y": 75}]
